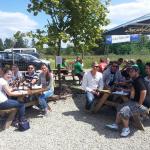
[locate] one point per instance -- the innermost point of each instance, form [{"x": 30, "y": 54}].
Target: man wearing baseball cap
[{"x": 134, "y": 105}]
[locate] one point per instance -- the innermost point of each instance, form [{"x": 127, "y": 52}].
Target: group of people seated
[
  {"x": 129, "y": 76},
  {"x": 105, "y": 75},
  {"x": 8, "y": 91}
]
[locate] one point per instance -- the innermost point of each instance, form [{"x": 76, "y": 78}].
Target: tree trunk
[
  {"x": 59, "y": 77},
  {"x": 82, "y": 54}
]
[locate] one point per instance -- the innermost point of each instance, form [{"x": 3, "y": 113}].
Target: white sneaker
[
  {"x": 35, "y": 107},
  {"x": 113, "y": 126},
  {"x": 125, "y": 132}
]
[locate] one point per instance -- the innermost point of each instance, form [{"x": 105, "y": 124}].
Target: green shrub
[{"x": 87, "y": 60}]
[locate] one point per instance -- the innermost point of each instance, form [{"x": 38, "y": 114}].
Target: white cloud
[
  {"x": 121, "y": 13},
  {"x": 10, "y": 22}
]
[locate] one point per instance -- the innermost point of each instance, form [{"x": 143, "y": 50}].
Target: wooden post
[{"x": 59, "y": 77}]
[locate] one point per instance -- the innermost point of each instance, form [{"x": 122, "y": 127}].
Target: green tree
[
  {"x": 33, "y": 43},
  {"x": 20, "y": 42},
  {"x": 8, "y": 43},
  {"x": 1, "y": 45},
  {"x": 69, "y": 50},
  {"x": 120, "y": 48},
  {"x": 88, "y": 18},
  {"x": 75, "y": 20}
]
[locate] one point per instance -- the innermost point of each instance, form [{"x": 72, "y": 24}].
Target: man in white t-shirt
[{"x": 92, "y": 80}]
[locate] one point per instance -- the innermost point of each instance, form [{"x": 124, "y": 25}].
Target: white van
[
  {"x": 21, "y": 50},
  {"x": 31, "y": 51}
]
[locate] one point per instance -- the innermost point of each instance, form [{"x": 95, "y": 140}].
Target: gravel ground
[{"x": 68, "y": 127}]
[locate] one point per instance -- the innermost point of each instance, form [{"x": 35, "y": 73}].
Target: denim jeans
[
  {"x": 43, "y": 98},
  {"x": 10, "y": 103},
  {"x": 89, "y": 100}
]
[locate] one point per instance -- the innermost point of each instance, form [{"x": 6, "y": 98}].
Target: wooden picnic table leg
[
  {"x": 137, "y": 122},
  {"x": 11, "y": 116},
  {"x": 101, "y": 102}
]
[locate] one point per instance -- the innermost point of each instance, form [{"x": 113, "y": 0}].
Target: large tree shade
[{"x": 139, "y": 25}]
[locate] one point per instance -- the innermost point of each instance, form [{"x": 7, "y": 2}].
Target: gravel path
[{"x": 68, "y": 127}]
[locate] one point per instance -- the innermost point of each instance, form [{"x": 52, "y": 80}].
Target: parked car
[
  {"x": 31, "y": 51},
  {"x": 22, "y": 60}
]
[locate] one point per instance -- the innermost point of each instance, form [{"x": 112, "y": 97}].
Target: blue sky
[
  {"x": 21, "y": 6},
  {"x": 14, "y": 15}
]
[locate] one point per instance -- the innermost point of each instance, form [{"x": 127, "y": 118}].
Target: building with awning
[{"x": 139, "y": 25}]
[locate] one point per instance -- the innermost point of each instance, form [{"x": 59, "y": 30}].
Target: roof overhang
[{"x": 140, "y": 25}]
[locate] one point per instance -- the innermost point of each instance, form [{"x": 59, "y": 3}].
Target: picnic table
[
  {"x": 104, "y": 99},
  {"x": 12, "y": 112},
  {"x": 64, "y": 74},
  {"x": 62, "y": 71},
  {"x": 67, "y": 73},
  {"x": 124, "y": 97},
  {"x": 30, "y": 92}
]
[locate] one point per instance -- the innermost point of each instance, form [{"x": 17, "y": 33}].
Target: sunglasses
[
  {"x": 30, "y": 68},
  {"x": 95, "y": 66},
  {"x": 115, "y": 66},
  {"x": 131, "y": 70}
]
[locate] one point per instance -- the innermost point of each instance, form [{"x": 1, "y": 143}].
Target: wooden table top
[
  {"x": 29, "y": 91},
  {"x": 115, "y": 92}
]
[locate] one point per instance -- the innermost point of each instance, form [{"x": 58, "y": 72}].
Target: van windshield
[
  {"x": 17, "y": 51},
  {"x": 27, "y": 51},
  {"x": 22, "y": 50},
  {"x": 28, "y": 57}
]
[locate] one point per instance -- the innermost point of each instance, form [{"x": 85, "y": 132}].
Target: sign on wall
[{"x": 111, "y": 39}]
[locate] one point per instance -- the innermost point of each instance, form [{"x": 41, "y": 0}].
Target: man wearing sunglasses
[
  {"x": 112, "y": 75},
  {"x": 31, "y": 76},
  {"x": 92, "y": 80}
]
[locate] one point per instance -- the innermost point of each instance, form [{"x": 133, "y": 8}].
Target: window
[{"x": 16, "y": 51}]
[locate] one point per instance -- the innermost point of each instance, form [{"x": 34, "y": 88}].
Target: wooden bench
[
  {"x": 31, "y": 103},
  {"x": 135, "y": 119},
  {"x": 51, "y": 98},
  {"x": 11, "y": 115}
]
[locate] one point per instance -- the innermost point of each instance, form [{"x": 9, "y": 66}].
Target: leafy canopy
[{"x": 77, "y": 21}]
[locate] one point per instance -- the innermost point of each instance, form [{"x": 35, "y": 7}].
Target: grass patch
[{"x": 87, "y": 60}]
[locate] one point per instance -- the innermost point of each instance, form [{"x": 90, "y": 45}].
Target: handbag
[{"x": 23, "y": 125}]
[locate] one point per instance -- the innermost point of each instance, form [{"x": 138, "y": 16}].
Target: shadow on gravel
[
  {"x": 33, "y": 113},
  {"x": 29, "y": 114},
  {"x": 146, "y": 122},
  {"x": 98, "y": 120},
  {"x": 2, "y": 121}
]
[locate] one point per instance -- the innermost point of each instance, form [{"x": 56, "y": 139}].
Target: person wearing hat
[
  {"x": 92, "y": 80},
  {"x": 134, "y": 105}
]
